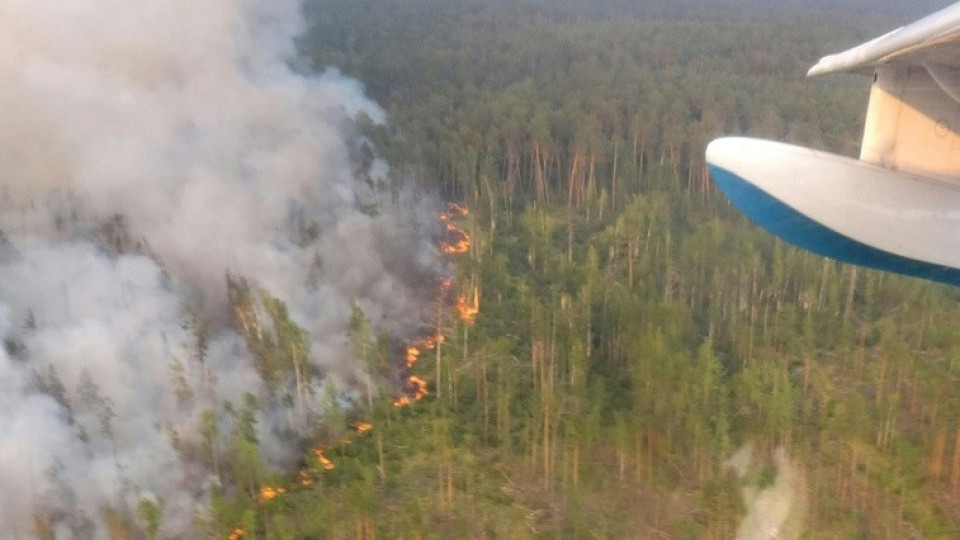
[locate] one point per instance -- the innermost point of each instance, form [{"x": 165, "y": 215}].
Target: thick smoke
[{"x": 147, "y": 150}]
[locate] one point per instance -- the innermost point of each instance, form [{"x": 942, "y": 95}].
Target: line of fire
[{"x": 454, "y": 241}]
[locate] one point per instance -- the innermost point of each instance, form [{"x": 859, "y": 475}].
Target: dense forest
[
  {"x": 633, "y": 331},
  {"x": 619, "y": 353}
]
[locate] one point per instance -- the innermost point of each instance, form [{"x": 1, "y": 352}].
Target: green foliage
[
  {"x": 244, "y": 459},
  {"x": 634, "y": 331},
  {"x": 151, "y": 514},
  {"x": 280, "y": 347},
  {"x": 768, "y": 475}
]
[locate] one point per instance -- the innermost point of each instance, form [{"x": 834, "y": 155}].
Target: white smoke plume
[{"x": 147, "y": 150}]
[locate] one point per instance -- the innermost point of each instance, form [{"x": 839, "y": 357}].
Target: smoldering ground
[{"x": 147, "y": 150}]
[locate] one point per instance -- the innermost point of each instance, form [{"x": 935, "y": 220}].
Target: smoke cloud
[{"x": 147, "y": 150}]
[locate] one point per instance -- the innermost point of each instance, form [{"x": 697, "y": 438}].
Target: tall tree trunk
[
  {"x": 955, "y": 470},
  {"x": 573, "y": 178},
  {"x": 613, "y": 175},
  {"x": 539, "y": 167},
  {"x": 936, "y": 467},
  {"x": 848, "y": 307},
  {"x": 439, "y": 348}
]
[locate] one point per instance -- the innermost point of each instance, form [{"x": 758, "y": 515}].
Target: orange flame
[
  {"x": 461, "y": 245},
  {"x": 431, "y": 342},
  {"x": 305, "y": 478},
  {"x": 416, "y": 348},
  {"x": 413, "y": 353},
  {"x": 459, "y": 239},
  {"x": 420, "y": 387},
  {"x": 324, "y": 462},
  {"x": 267, "y": 493},
  {"x": 454, "y": 208},
  {"x": 468, "y": 309},
  {"x": 417, "y": 388}
]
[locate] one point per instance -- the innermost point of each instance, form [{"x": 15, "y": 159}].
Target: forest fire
[
  {"x": 468, "y": 309},
  {"x": 461, "y": 244},
  {"x": 402, "y": 401},
  {"x": 413, "y": 353},
  {"x": 431, "y": 342},
  {"x": 325, "y": 463},
  {"x": 420, "y": 387},
  {"x": 305, "y": 477},
  {"x": 268, "y": 493},
  {"x": 416, "y": 390},
  {"x": 454, "y": 209},
  {"x": 457, "y": 240},
  {"x": 415, "y": 387}
]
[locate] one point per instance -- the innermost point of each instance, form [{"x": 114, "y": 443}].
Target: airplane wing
[
  {"x": 897, "y": 207},
  {"x": 932, "y": 39},
  {"x": 913, "y": 119}
]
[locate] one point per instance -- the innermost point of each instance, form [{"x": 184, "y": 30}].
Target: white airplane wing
[
  {"x": 932, "y": 39},
  {"x": 897, "y": 208},
  {"x": 913, "y": 120}
]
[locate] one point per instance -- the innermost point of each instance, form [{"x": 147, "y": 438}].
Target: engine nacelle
[{"x": 843, "y": 208}]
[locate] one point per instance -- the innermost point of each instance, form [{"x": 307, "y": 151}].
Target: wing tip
[
  {"x": 820, "y": 68},
  {"x": 861, "y": 58}
]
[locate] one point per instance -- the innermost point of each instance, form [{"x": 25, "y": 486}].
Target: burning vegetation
[
  {"x": 267, "y": 493},
  {"x": 415, "y": 388},
  {"x": 255, "y": 314},
  {"x": 468, "y": 308},
  {"x": 322, "y": 460},
  {"x": 456, "y": 240}
]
